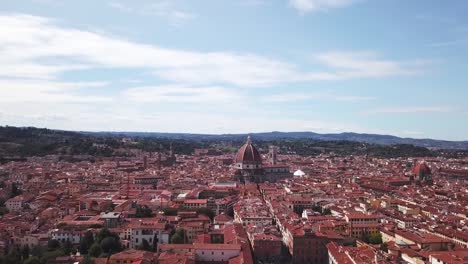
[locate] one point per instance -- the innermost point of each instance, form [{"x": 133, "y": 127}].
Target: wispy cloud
[
  {"x": 180, "y": 94},
  {"x": 49, "y": 2},
  {"x": 410, "y": 110},
  {"x": 161, "y": 8},
  {"x": 30, "y": 42},
  {"x": 296, "y": 97},
  {"x": 305, "y": 6},
  {"x": 354, "y": 98},
  {"x": 251, "y": 2},
  {"x": 37, "y": 50},
  {"x": 13, "y": 91},
  {"x": 449, "y": 43},
  {"x": 369, "y": 64}
]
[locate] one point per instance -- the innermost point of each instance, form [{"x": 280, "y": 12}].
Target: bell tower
[{"x": 273, "y": 155}]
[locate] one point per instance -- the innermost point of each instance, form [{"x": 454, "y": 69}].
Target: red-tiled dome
[
  {"x": 248, "y": 154},
  {"x": 421, "y": 169}
]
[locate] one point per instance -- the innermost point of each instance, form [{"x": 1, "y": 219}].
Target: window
[{"x": 212, "y": 252}]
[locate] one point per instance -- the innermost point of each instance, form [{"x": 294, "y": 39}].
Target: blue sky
[{"x": 388, "y": 66}]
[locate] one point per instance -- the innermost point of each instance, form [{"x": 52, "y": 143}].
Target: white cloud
[
  {"x": 161, "y": 8},
  {"x": 410, "y": 110},
  {"x": 294, "y": 97},
  {"x": 305, "y": 6},
  {"x": 48, "y": 91},
  {"x": 354, "y": 98},
  {"x": 252, "y": 2},
  {"x": 180, "y": 94},
  {"x": 368, "y": 64},
  {"x": 29, "y": 44},
  {"x": 49, "y": 2},
  {"x": 27, "y": 41},
  {"x": 36, "y": 52},
  {"x": 291, "y": 97}
]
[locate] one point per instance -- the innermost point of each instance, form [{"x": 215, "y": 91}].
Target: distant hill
[
  {"x": 20, "y": 142},
  {"x": 268, "y": 136},
  {"x": 29, "y": 141}
]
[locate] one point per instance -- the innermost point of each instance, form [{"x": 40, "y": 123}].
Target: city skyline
[{"x": 387, "y": 67}]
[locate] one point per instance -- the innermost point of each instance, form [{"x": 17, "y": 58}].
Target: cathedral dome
[
  {"x": 248, "y": 154},
  {"x": 421, "y": 169}
]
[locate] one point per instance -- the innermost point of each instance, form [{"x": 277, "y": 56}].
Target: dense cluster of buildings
[{"x": 257, "y": 206}]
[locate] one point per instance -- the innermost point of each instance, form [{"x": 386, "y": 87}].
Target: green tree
[
  {"x": 87, "y": 260},
  {"x": 33, "y": 260},
  {"x": 105, "y": 233},
  {"x": 110, "y": 245},
  {"x": 15, "y": 191},
  {"x": 53, "y": 244},
  {"x": 384, "y": 247},
  {"x": 61, "y": 225},
  {"x": 48, "y": 256},
  {"x": 3, "y": 211},
  {"x": 14, "y": 255},
  {"x": 178, "y": 237},
  {"x": 317, "y": 208},
  {"x": 25, "y": 252},
  {"x": 326, "y": 211},
  {"x": 145, "y": 246},
  {"x": 170, "y": 211},
  {"x": 37, "y": 251},
  {"x": 86, "y": 242},
  {"x": 67, "y": 247},
  {"x": 95, "y": 250},
  {"x": 218, "y": 239},
  {"x": 206, "y": 211},
  {"x": 143, "y": 211},
  {"x": 373, "y": 238}
]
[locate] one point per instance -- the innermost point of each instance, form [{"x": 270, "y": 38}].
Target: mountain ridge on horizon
[{"x": 276, "y": 135}]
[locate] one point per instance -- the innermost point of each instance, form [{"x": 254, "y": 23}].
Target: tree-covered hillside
[{"x": 26, "y": 142}]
